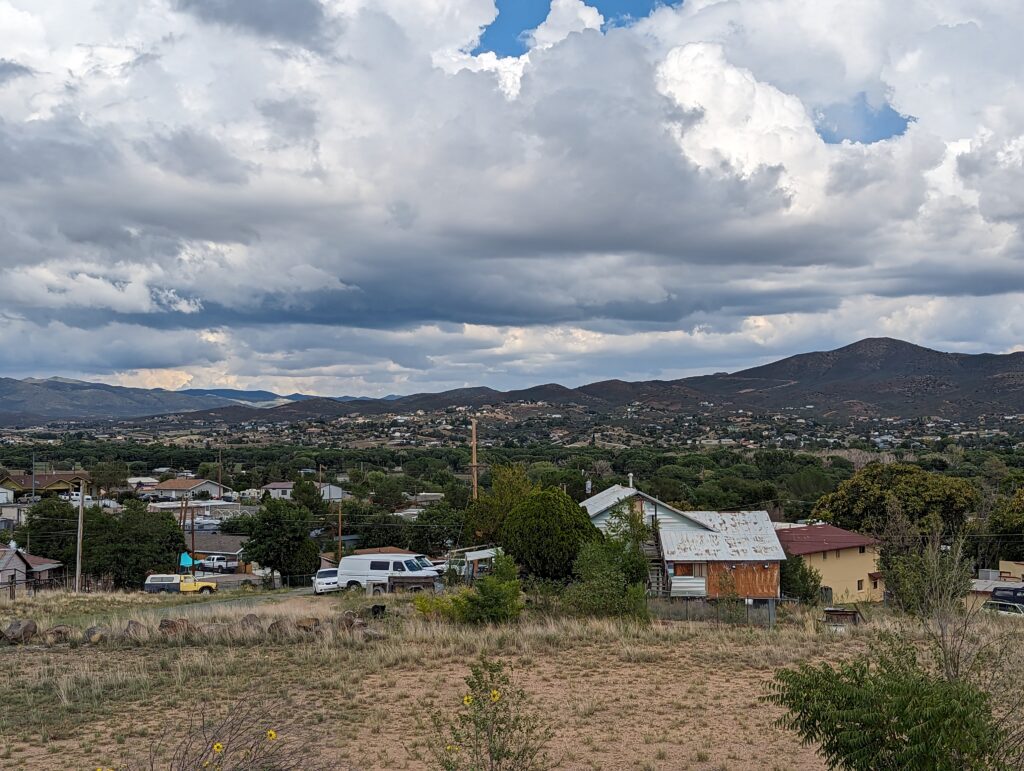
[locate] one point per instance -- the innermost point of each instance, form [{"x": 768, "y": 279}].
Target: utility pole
[
  {"x": 473, "y": 466},
  {"x": 81, "y": 527},
  {"x": 33, "y": 477},
  {"x": 192, "y": 554},
  {"x": 220, "y": 474}
]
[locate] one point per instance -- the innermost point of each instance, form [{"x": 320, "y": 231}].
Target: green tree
[
  {"x": 280, "y": 539},
  {"x": 800, "y": 580},
  {"x": 545, "y": 532},
  {"x": 509, "y": 486},
  {"x": 867, "y": 500},
  {"x": 602, "y": 587},
  {"x": 1006, "y": 525},
  {"x": 109, "y": 476},
  {"x": 437, "y": 529},
  {"x": 138, "y": 542},
  {"x": 307, "y": 495}
]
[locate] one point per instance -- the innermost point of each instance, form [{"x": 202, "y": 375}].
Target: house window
[
  {"x": 824, "y": 555},
  {"x": 860, "y": 584},
  {"x": 874, "y": 584},
  {"x": 837, "y": 553},
  {"x": 862, "y": 549}
]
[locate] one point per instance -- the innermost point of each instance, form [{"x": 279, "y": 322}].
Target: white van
[{"x": 361, "y": 570}]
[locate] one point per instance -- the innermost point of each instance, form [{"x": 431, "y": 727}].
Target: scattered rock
[
  {"x": 20, "y": 631},
  {"x": 281, "y": 628},
  {"x": 175, "y": 627},
  {"x": 135, "y": 631},
  {"x": 373, "y": 634},
  {"x": 215, "y": 630},
  {"x": 95, "y": 635},
  {"x": 61, "y": 633},
  {"x": 309, "y": 624},
  {"x": 251, "y": 621}
]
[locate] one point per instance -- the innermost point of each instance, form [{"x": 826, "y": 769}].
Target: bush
[
  {"x": 895, "y": 714},
  {"x": 496, "y": 599},
  {"x": 494, "y": 729},
  {"x": 545, "y": 531},
  {"x": 603, "y": 588},
  {"x": 800, "y": 580}
]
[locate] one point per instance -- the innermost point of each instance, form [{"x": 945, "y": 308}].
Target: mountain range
[{"x": 872, "y": 377}]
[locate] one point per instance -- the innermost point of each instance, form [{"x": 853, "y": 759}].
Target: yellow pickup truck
[{"x": 175, "y": 583}]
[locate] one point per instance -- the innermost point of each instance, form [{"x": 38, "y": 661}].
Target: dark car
[{"x": 1008, "y": 594}]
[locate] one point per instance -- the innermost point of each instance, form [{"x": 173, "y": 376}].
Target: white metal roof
[
  {"x": 481, "y": 554},
  {"x": 985, "y": 586},
  {"x": 743, "y": 536},
  {"x": 605, "y": 499}
]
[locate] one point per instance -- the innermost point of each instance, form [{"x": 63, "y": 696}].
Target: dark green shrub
[
  {"x": 497, "y": 598},
  {"x": 800, "y": 580},
  {"x": 602, "y": 588}
]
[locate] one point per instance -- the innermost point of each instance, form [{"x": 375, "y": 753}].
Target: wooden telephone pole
[
  {"x": 81, "y": 527},
  {"x": 473, "y": 466}
]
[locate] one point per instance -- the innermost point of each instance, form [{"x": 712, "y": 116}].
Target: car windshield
[
  {"x": 413, "y": 565},
  {"x": 424, "y": 562},
  {"x": 327, "y": 574}
]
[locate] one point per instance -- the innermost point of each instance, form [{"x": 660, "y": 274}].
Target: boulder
[
  {"x": 135, "y": 631},
  {"x": 61, "y": 633},
  {"x": 175, "y": 627},
  {"x": 95, "y": 635},
  {"x": 251, "y": 621},
  {"x": 20, "y": 631},
  {"x": 373, "y": 634},
  {"x": 309, "y": 624},
  {"x": 281, "y": 628}
]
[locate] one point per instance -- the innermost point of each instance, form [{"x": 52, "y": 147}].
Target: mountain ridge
[{"x": 874, "y": 376}]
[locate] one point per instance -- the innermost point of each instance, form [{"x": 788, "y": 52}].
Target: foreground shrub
[
  {"x": 891, "y": 715},
  {"x": 245, "y": 740},
  {"x": 494, "y": 729}
]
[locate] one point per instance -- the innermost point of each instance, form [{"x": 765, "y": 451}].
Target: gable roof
[
  {"x": 8, "y": 555},
  {"x": 740, "y": 536},
  {"x": 40, "y": 563},
  {"x": 616, "y": 494},
  {"x": 24, "y": 481},
  {"x": 278, "y": 486},
  {"x": 384, "y": 550},
  {"x": 812, "y": 539},
  {"x": 184, "y": 484},
  {"x": 218, "y": 543}
]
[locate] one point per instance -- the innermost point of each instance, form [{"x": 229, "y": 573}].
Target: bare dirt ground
[{"x": 668, "y": 696}]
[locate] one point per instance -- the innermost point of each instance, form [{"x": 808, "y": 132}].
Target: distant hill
[
  {"x": 873, "y": 377},
  {"x": 35, "y": 400}
]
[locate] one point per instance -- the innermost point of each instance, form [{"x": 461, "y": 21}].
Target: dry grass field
[{"x": 670, "y": 695}]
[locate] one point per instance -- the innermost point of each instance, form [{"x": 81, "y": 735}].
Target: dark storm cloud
[{"x": 296, "y": 21}]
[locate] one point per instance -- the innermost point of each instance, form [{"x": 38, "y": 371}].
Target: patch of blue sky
[
  {"x": 857, "y": 121},
  {"x": 506, "y": 36}
]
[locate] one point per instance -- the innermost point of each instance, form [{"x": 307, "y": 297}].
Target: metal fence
[{"x": 28, "y": 587}]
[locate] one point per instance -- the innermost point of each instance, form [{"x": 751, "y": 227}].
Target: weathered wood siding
[{"x": 749, "y": 579}]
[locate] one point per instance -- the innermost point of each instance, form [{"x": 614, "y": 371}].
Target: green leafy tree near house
[
  {"x": 137, "y": 542},
  {"x": 279, "y": 539},
  {"x": 866, "y": 501},
  {"x": 1006, "y": 526},
  {"x": 545, "y": 532},
  {"x": 800, "y": 580},
  {"x": 437, "y": 529},
  {"x": 307, "y": 495}
]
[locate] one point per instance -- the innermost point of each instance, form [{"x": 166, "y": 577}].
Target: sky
[{"x": 395, "y": 196}]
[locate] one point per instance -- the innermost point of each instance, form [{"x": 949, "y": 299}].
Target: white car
[
  {"x": 325, "y": 580},
  {"x": 363, "y": 570}
]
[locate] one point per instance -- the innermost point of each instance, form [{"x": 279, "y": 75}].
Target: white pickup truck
[{"x": 218, "y": 564}]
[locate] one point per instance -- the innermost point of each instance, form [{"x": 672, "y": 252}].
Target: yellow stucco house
[{"x": 847, "y": 561}]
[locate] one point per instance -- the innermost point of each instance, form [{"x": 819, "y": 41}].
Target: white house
[
  {"x": 700, "y": 553},
  {"x": 177, "y": 489},
  {"x": 6, "y": 496},
  {"x": 283, "y": 491}
]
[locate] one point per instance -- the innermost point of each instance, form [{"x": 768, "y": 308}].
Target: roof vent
[{"x": 630, "y": 479}]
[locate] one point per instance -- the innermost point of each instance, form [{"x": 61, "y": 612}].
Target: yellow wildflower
[
  {"x": 452, "y": 748},
  {"x": 218, "y": 748},
  {"x": 467, "y": 699},
  {"x": 495, "y": 695},
  {"x": 271, "y": 734}
]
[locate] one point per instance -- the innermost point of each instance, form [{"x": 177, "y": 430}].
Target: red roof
[
  {"x": 384, "y": 550},
  {"x": 39, "y": 562},
  {"x": 813, "y": 539}
]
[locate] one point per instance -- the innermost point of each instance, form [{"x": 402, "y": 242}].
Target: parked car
[
  {"x": 326, "y": 580},
  {"x": 174, "y": 583},
  {"x": 218, "y": 564},
  {"x": 1004, "y": 608},
  {"x": 363, "y": 570},
  {"x": 1009, "y": 594}
]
